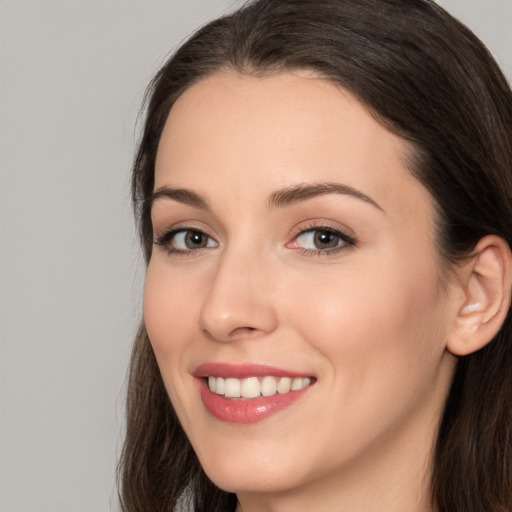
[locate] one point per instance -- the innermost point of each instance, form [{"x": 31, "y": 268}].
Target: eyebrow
[
  {"x": 278, "y": 199},
  {"x": 304, "y": 191},
  {"x": 181, "y": 195}
]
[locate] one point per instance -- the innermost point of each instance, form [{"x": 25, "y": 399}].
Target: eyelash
[
  {"x": 165, "y": 239},
  {"x": 346, "y": 240}
]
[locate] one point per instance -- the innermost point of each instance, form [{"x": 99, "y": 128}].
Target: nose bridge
[{"x": 238, "y": 304}]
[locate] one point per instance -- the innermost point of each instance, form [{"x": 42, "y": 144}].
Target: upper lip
[{"x": 243, "y": 371}]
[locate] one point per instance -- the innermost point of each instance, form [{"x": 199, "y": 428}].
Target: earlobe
[{"x": 486, "y": 283}]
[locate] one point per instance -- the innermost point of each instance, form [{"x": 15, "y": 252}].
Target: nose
[{"x": 238, "y": 303}]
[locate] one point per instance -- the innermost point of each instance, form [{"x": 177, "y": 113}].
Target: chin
[
  {"x": 251, "y": 481},
  {"x": 263, "y": 474}
]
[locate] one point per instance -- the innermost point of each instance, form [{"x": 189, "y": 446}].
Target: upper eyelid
[
  {"x": 323, "y": 225},
  {"x": 338, "y": 232},
  {"x": 182, "y": 226},
  {"x": 170, "y": 232}
]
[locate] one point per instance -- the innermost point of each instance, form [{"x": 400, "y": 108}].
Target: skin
[{"x": 369, "y": 321}]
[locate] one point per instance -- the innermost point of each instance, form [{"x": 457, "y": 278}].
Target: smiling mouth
[{"x": 256, "y": 387}]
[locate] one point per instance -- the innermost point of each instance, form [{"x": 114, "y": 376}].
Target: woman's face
[{"x": 293, "y": 246}]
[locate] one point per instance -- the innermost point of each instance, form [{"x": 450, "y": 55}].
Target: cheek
[
  {"x": 378, "y": 328},
  {"x": 381, "y": 338},
  {"x": 169, "y": 312},
  {"x": 170, "y": 317}
]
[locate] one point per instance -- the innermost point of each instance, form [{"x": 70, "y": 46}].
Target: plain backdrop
[{"x": 72, "y": 76}]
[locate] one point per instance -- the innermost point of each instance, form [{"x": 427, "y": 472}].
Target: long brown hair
[{"x": 427, "y": 78}]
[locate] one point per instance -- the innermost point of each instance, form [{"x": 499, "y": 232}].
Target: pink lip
[
  {"x": 245, "y": 410},
  {"x": 243, "y": 371}
]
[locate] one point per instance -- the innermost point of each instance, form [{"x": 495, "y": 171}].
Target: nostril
[
  {"x": 237, "y": 333},
  {"x": 246, "y": 332}
]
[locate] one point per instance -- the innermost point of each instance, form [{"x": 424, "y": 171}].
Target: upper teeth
[{"x": 253, "y": 387}]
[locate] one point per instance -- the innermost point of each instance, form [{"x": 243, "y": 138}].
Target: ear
[{"x": 486, "y": 285}]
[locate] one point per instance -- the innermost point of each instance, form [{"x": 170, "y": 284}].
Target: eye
[
  {"x": 188, "y": 239},
  {"x": 316, "y": 239},
  {"x": 322, "y": 240},
  {"x": 180, "y": 241}
]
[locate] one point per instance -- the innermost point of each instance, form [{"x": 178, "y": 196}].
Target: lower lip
[{"x": 247, "y": 411}]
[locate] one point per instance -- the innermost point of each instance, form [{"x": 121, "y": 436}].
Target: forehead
[{"x": 258, "y": 134}]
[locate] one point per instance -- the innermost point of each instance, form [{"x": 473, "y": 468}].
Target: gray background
[{"x": 72, "y": 75}]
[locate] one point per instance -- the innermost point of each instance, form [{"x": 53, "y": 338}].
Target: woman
[{"x": 324, "y": 196}]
